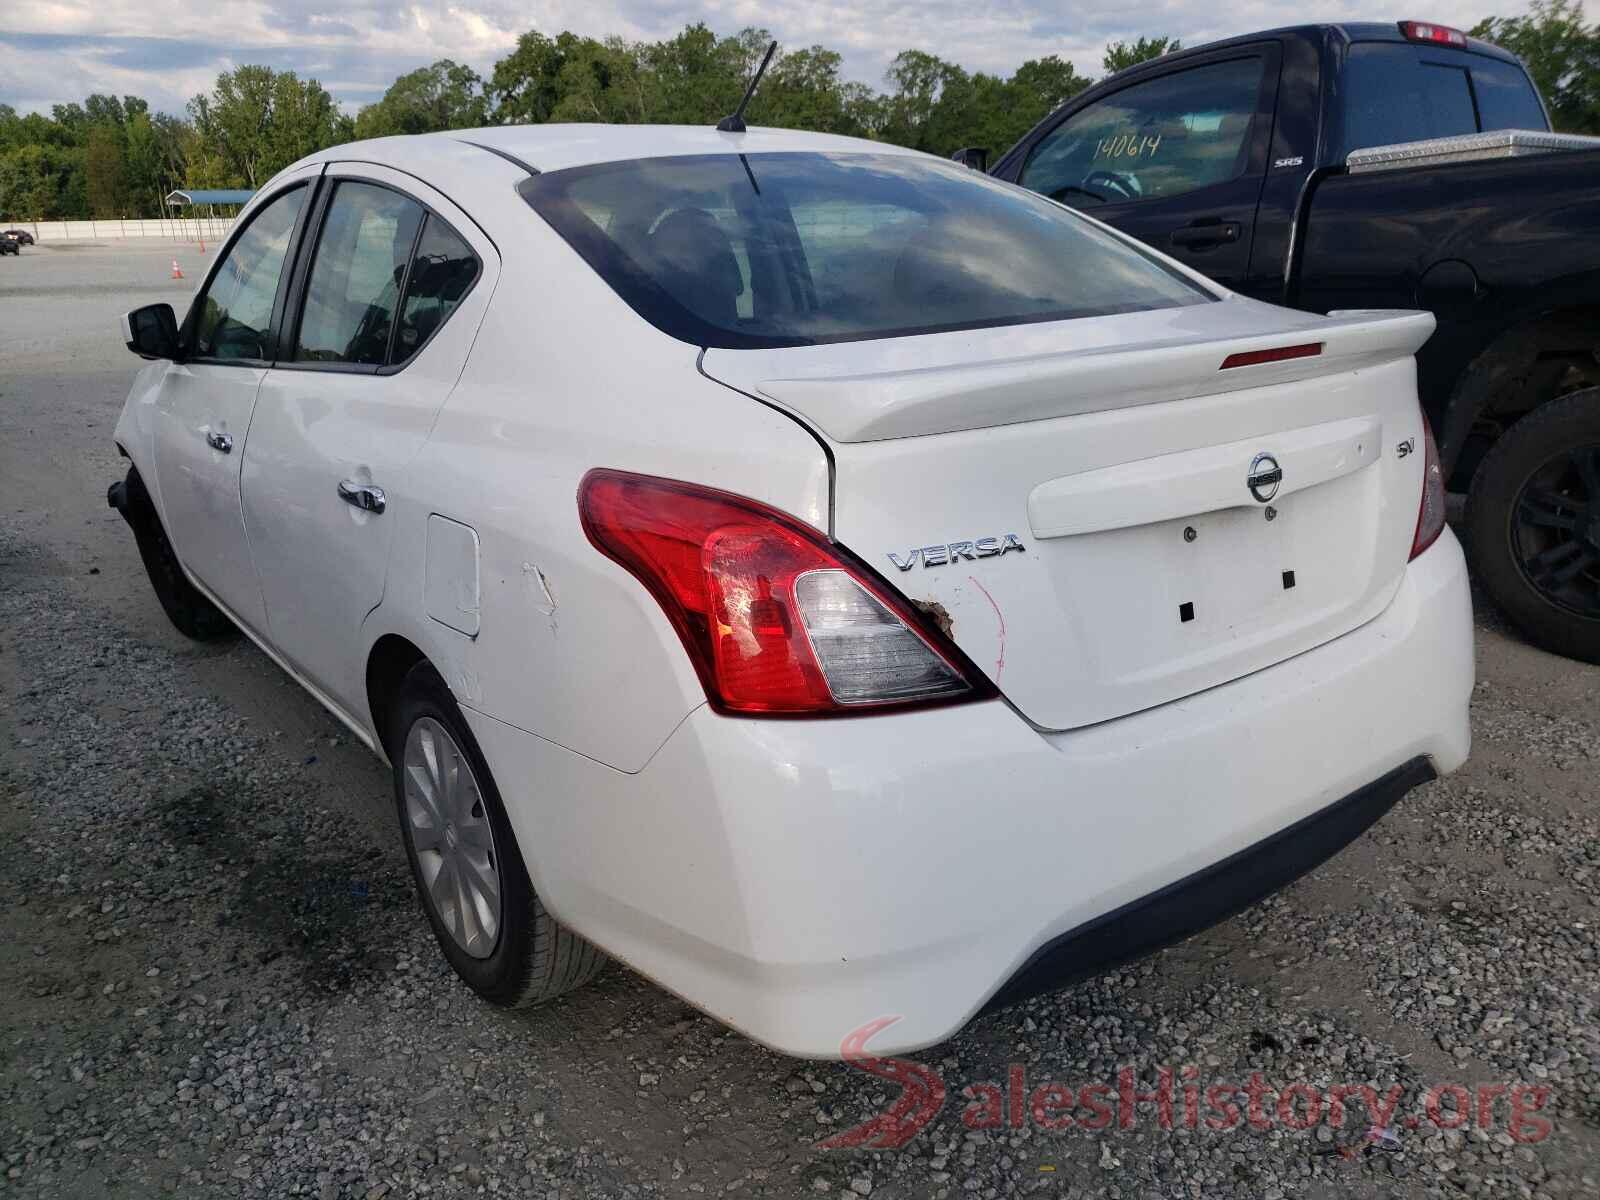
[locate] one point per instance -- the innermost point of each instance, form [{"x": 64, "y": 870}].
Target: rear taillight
[
  {"x": 1430, "y": 518},
  {"x": 1425, "y": 31},
  {"x": 776, "y": 619}
]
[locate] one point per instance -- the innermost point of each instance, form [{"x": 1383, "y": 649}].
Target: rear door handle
[
  {"x": 219, "y": 441},
  {"x": 1211, "y": 233},
  {"x": 362, "y": 495}
]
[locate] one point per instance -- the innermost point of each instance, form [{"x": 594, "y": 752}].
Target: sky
[{"x": 55, "y": 51}]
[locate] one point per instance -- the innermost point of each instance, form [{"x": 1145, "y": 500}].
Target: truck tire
[
  {"x": 1533, "y": 525},
  {"x": 505, "y": 946},
  {"x": 191, "y": 613}
]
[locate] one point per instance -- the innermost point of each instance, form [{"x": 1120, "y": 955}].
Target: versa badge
[{"x": 938, "y": 556}]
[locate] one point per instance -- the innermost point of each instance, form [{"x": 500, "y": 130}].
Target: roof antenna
[{"x": 735, "y": 123}]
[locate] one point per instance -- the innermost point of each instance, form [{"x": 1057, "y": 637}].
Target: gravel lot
[{"x": 214, "y": 979}]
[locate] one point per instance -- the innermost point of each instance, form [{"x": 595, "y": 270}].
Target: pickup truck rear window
[
  {"x": 1405, "y": 93},
  {"x": 792, "y": 249}
]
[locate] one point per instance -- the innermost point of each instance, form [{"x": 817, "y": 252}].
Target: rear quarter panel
[{"x": 564, "y": 378}]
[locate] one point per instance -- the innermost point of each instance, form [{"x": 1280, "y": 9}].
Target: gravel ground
[{"x": 214, "y": 979}]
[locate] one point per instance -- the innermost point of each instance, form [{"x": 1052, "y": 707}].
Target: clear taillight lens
[
  {"x": 1430, "y": 518},
  {"x": 868, "y": 654},
  {"x": 776, "y": 619}
]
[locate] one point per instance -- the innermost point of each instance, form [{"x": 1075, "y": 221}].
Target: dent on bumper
[{"x": 798, "y": 879}]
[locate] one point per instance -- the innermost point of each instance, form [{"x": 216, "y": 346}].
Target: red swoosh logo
[{"x": 921, "y": 1097}]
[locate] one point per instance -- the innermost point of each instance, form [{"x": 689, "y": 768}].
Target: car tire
[
  {"x": 449, "y": 806},
  {"x": 190, "y": 612},
  {"x": 1533, "y": 525}
]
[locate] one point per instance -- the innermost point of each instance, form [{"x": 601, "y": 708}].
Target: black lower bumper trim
[{"x": 1212, "y": 894}]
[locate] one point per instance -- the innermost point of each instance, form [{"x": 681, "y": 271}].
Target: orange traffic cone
[{"x": 177, "y": 271}]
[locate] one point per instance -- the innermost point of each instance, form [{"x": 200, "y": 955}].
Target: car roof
[
  {"x": 1346, "y": 31},
  {"x": 557, "y": 147}
]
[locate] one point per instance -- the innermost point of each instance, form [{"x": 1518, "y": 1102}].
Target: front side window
[
  {"x": 1152, "y": 140},
  {"x": 356, "y": 277},
  {"x": 786, "y": 249},
  {"x": 235, "y": 315}
]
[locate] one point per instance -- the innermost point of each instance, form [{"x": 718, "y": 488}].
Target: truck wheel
[
  {"x": 1533, "y": 525},
  {"x": 488, "y": 920},
  {"x": 191, "y": 613}
]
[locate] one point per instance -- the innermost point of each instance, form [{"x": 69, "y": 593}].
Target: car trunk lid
[{"x": 1073, "y": 501}]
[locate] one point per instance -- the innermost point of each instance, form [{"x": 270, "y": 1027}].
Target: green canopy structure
[{"x": 208, "y": 196}]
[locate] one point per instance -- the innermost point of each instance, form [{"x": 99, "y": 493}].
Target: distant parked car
[
  {"x": 20, "y": 235},
  {"x": 8, "y": 244}
]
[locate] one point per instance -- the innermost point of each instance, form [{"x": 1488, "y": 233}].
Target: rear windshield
[
  {"x": 1405, "y": 93},
  {"x": 742, "y": 251}
]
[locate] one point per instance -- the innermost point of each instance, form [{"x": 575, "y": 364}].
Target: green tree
[
  {"x": 927, "y": 105},
  {"x": 695, "y": 78},
  {"x": 256, "y": 121},
  {"x": 445, "y": 95},
  {"x": 1119, "y": 56},
  {"x": 104, "y": 170},
  {"x": 41, "y": 182},
  {"x": 142, "y": 163},
  {"x": 1561, "y": 53},
  {"x": 803, "y": 90},
  {"x": 525, "y": 86}
]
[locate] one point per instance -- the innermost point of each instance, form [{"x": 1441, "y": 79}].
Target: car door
[
  {"x": 383, "y": 313},
  {"x": 1176, "y": 158},
  {"x": 203, "y": 408}
]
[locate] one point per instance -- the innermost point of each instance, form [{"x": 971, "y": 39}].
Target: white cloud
[{"x": 60, "y": 50}]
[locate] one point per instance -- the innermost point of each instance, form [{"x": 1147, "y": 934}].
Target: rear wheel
[
  {"x": 189, "y": 611},
  {"x": 491, "y": 925},
  {"x": 1533, "y": 525}
]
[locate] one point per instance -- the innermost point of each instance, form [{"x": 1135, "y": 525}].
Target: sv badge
[{"x": 938, "y": 556}]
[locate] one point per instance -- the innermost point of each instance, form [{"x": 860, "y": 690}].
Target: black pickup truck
[{"x": 1235, "y": 158}]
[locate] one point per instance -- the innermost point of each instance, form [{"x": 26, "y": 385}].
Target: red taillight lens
[
  {"x": 1430, "y": 518},
  {"x": 776, "y": 619},
  {"x": 1424, "y": 31},
  {"x": 1251, "y": 358}
]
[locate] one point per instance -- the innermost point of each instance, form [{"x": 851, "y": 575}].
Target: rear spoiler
[{"x": 910, "y": 403}]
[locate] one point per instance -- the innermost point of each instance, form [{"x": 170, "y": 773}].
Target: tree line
[{"x": 112, "y": 156}]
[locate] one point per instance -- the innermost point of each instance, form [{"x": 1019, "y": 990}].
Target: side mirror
[
  {"x": 151, "y": 331},
  {"x": 976, "y": 157}
]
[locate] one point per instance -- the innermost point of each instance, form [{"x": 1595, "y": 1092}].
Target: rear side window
[
  {"x": 442, "y": 272},
  {"x": 1404, "y": 93},
  {"x": 367, "y": 240},
  {"x": 742, "y": 251},
  {"x": 1506, "y": 98}
]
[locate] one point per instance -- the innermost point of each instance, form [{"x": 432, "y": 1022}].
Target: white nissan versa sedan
[{"x": 835, "y": 583}]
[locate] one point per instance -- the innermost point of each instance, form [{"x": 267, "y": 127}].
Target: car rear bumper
[{"x": 799, "y": 879}]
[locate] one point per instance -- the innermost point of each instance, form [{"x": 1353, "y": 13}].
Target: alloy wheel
[
  {"x": 1555, "y": 531},
  {"x": 452, "y": 836}
]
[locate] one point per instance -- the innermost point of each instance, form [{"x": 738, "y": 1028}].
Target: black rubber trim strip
[
  {"x": 1212, "y": 894},
  {"x": 510, "y": 158}
]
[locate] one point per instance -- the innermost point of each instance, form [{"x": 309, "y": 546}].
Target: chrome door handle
[
  {"x": 362, "y": 495},
  {"x": 219, "y": 441}
]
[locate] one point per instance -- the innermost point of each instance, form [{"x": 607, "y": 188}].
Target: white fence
[{"x": 176, "y": 229}]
